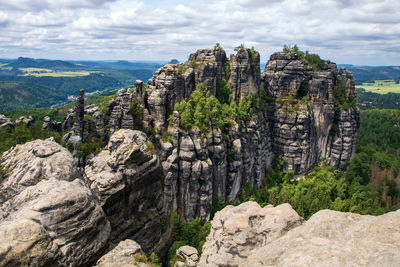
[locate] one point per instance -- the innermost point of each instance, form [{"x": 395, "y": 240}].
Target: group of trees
[
  {"x": 369, "y": 100},
  {"x": 313, "y": 60},
  {"x": 21, "y": 134},
  {"x": 205, "y": 111}
]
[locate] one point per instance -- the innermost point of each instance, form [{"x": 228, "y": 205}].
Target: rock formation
[
  {"x": 305, "y": 124},
  {"x": 248, "y": 235},
  {"x": 28, "y": 121},
  {"x": 49, "y": 124},
  {"x": 125, "y": 254},
  {"x": 5, "y": 122},
  {"x": 118, "y": 114},
  {"x": 79, "y": 124},
  {"x": 48, "y": 215},
  {"x": 245, "y": 73},
  {"x": 128, "y": 183},
  {"x": 131, "y": 187},
  {"x": 189, "y": 254},
  {"x": 315, "y": 128}
]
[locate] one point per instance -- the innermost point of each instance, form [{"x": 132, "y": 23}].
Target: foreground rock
[
  {"x": 128, "y": 181},
  {"x": 48, "y": 216},
  {"x": 248, "y": 235},
  {"x": 126, "y": 254},
  {"x": 189, "y": 255}
]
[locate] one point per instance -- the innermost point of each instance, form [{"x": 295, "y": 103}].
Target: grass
[
  {"x": 59, "y": 74},
  {"x": 29, "y": 70},
  {"x": 381, "y": 87},
  {"x": 5, "y": 68}
]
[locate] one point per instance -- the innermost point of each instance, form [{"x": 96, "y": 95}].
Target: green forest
[{"x": 21, "y": 90}]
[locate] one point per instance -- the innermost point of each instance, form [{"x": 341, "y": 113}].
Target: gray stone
[
  {"x": 123, "y": 255},
  {"x": 248, "y": 235},
  {"x": 48, "y": 216}
]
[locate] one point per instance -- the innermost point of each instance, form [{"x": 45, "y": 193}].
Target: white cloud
[{"x": 350, "y": 31}]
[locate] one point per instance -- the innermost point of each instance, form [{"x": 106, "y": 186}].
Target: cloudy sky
[{"x": 363, "y": 32}]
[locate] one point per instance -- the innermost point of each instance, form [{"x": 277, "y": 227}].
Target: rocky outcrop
[
  {"x": 5, "y": 122},
  {"x": 173, "y": 83},
  {"x": 128, "y": 182},
  {"x": 189, "y": 255},
  {"x": 248, "y": 235},
  {"x": 118, "y": 115},
  {"x": 28, "y": 121},
  {"x": 79, "y": 125},
  {"x": 305, "y": 124},
  {"x": 308, "y": 123},
  {"x": 126, "y": 253},
  {"x": 245, "y": 73},
  {"x": 51, "y": 125},
  {"x": 48, "y": 215}
]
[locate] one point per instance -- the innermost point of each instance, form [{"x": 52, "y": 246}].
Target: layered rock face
[
  {"x": 200, "y": 169},
  {"x": 316, "y": 128},
  {"x": 118, "y": 115},
  {"x": 52, "y": 215},
  {"x": 48, "y": 215},
  {"x": 248, "y": 235},
  {"x": 304, "y": 125},
  {"x": 245, "y": 73},
  {"x": 173, "y": 83},
  {"x": 128, "y": 182}
]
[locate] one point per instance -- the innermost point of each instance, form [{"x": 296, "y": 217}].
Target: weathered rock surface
[
  {"x": 248, "y": 235},
  {"x": 79, "y": 125},
  {"x": 189, "y": 254},
  {"x": 49, "y": 124},
  {"x": 245, "y": 73},
  {"x": 237, "y": 231},
  {"x": 48, "y": 216},
  {"x": 123, "y": 255},
  {"x": 128, "y": 182},
  {"x": 118, "y": 115},
  {"x": 315, "y": 128},
  {"x": 173, "y": 83},
  {"x": 28, "y": 121},
  {"x": 5, "y": 122},
  {"x": 305, "y": 132}
]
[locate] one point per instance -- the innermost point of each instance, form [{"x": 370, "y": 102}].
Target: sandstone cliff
[
  {"x": 305, "y": 123},
  {"x": 248, "y": 235},
  {"x": 302, "y": 114},
  {"x": 51, "y": 214}
]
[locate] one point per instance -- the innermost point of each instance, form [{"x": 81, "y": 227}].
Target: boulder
[
  {"x": 248, "y": 235},
  {"x": 189, "y": 254},
  {"x": 28, "y": 121},
  {"x": 126, "y": 253},
  {"x": 237, "y": 231},
  {"x": 5, "y": 122}
]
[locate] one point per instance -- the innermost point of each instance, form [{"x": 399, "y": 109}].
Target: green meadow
[{"x": 381, "y": 86}]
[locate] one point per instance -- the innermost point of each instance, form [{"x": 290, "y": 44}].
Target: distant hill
[
  {"x": 19, "y": 91},
  {"x": 371, "y": 73},
  {"x": 173, "y": 61},
  {"x": 24, "y": 62},
  {"x": 22, "y": 95}
]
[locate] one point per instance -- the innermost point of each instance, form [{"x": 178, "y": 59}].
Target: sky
[{"x": 360, "y": 32}]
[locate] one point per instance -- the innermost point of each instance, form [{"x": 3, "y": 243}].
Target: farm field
[
  {"x": 38, "y": 72},
  {"x": 381, "y": 87}
]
